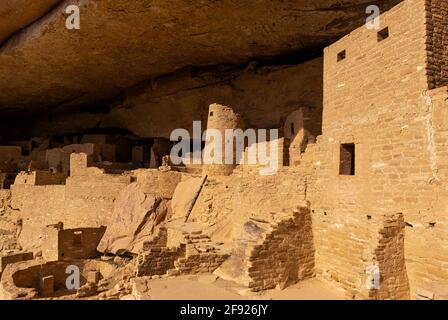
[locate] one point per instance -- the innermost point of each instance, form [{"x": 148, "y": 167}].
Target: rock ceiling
[{"x": 46, "y": 67}]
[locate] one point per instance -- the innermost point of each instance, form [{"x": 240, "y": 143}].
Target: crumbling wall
[
  {"x": 201, "y": 254},
  {"x": 226, "y": 203},
  {"x": 389, "y": 255},
  {"x": 156, "y": 258},
  {"x": 86, "y": 200},
  {"x": 299, "y": 137},
  {"x": 157, "y": 261},
  {"x": 260, "y": 155},
  {"x": 38, "y": 206},
  {"x": 23, "y": 280},
  {"x": 199, "y": 263},
  {"x": 285, "y": 255},
  {"x": 397, "y": 154},
  {"x": 427, "y": 228},
  {"x": 6, "y": 259},
  {"x": 40, "y": 178},
  {"x": 65, "y": 244}
]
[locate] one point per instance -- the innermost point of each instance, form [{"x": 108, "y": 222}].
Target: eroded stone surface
[
  {"x": 18, "y": 14},
  {"x": 135, "y": 216}
]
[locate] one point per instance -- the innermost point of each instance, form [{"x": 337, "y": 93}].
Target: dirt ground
[{"x": 208, "y": 287}]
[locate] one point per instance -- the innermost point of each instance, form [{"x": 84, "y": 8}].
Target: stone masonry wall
[
  {"x": 156, "y": 258},
  {"x": 285, "y": 255},
  {"x": 225, "y": 204},
  {"x": 377, "y": 98},
  {"x": 437, "y": 44},
  {"x": 79, "y": 243},
  {"x": 389, "y": 254}
]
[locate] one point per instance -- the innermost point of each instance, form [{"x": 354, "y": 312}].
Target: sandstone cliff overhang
[{"x": 46, "y": 67}]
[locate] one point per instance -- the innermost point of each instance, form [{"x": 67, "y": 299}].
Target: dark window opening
[
  {"x": 77, "y": 238},
  {"x": 347, "y": 159},
  {"x": 211, "y": 114},
  {"x": 292, "y": 127},
  {"x": 383, "y": 34},
  {"x": 342, "y": 55}
]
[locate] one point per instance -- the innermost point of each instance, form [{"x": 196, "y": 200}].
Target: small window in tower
[
  {"x": 77, "y": 238},
  {"x": 383, "y": 34},
  {"x": 292, "y": 128},
  {"x": 211, "y": 113},
  {"x": 342, "y": 55},
  {"x": 347, "y": 159}
]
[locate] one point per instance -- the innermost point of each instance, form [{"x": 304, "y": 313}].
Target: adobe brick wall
[{"x": 378, "y": 99}]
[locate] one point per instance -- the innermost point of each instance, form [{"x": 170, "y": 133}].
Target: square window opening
[
  {"x": 347, "y": 159},
  {"x": 383, "y": 34},
  {"x": 77, "y": 238},
  {"x": 342, "y": 55}
]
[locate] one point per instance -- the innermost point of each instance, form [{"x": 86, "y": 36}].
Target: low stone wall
[
  {"x": 206, "y": 262},
  {"x": 157, "y": 261},
  {"x": 6, "y": 259},
  {"x": 40, "y": 178},
  {"x": 156, "y": 258},
  {"x": 175, "y": 251},
  {"x": 23, "y": 280}
]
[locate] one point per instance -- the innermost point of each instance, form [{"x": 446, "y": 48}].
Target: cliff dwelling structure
[{"x": 346, "y": 126}]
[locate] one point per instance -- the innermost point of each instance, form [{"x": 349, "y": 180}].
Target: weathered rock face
[
  {"x": 135, "y": 217},
  {"x": 184, "y": 196},
  {"x": 261, "y": 93},
  {"x": 17, "y": 14},
  {"x": 122, "y": 43}
]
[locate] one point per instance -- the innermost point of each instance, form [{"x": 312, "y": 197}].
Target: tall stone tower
[{"x": 221, "y": 118}]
